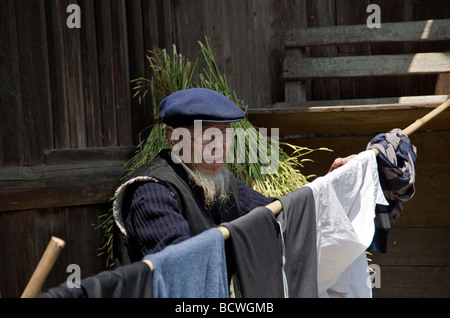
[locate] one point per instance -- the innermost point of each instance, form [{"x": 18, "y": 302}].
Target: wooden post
[{"x": 45, "y": 265}]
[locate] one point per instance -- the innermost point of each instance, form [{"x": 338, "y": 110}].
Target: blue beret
[{"x": 181, "y": 108}]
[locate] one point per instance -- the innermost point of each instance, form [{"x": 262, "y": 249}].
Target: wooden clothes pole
[
  {"x": 276, "y": 206},
  {"x": 422, "y": 121},
  {"x": 49, "y": 257}
]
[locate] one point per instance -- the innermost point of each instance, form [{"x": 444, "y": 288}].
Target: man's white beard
[{"x": 216, "y": 188}]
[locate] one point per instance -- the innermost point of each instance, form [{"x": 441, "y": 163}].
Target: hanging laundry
[
  {"x": 345, "y": 202},
  {"x": 194, "y": 268},
  {"x": 129, "y": 281},
  {"x": 255, "y": 253},
  {"x": 397, "y": 170},
  {"x": 298, "y": 218}
]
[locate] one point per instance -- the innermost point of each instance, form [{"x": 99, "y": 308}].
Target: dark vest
[{"x": 190, "y": 198}]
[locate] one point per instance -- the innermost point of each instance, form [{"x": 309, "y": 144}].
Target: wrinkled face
[{"x": 208, "y": 145}]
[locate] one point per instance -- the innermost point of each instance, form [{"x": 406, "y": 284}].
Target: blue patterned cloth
[{"x": 397, "y": 173}]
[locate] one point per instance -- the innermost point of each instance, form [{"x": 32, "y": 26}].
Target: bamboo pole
[
  {"x": 149, "y": 263},
  {"x": 49, "y": 257},
  {"x": 422, "y": 121}
]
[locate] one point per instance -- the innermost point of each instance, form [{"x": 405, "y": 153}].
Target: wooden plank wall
[
  {"x": 65, "y": 107},
  {"x": 65, "y": 99}
]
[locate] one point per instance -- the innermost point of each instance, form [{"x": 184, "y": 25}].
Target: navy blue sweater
[{"x": 155, "y": 218}]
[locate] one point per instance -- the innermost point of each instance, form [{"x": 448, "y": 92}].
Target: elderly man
[{"x": 165, "y": 202}]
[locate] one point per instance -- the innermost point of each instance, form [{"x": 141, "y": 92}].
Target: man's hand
[{"x": 338, "y": 162}]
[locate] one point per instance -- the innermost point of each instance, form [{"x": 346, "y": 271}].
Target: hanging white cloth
[{"x": 345, "y": 202}]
